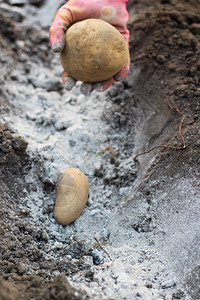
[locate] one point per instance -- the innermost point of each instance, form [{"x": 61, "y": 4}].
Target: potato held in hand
[
  {"x": 71, "y": 196},
  {"x": 94, "y": 51}
]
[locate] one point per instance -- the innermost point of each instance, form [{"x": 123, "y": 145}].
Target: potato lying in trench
[
  {"x": 71, "y": 196},
  {"x": 94, "y": 51}
]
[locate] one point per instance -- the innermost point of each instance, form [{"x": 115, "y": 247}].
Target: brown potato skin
[
  {"x": 94, "y": 51},
  {"x": 71, "y": 196}
]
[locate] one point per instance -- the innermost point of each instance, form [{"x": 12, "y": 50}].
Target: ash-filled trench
[{"x": 144, "y": 213}]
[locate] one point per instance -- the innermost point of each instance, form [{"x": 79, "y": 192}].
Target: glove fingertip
[
  {"x": 58, "y": 47},
  {"x": 68, "y": 82},
  {"x": 103, "y": 85},
  {"x": 121, "y": 74},
  {"x": 87, "y": 88},
  {"x": 98, "y": 87},
  {"x": 57, "y": 39}
]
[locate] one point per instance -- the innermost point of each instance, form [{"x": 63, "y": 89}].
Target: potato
[
  {"x": 94, "y": 51},
  {"x": 71, "y": 196}
]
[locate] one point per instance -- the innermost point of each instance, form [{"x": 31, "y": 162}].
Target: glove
[{"x": 78, "y": 10}]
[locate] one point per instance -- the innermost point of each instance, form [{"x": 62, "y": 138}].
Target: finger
[
  {"x": 121, "y": 74},
  {"x": 103, "y": 85},
  {"x": 57, "y": 38},
  {"x": 87, "y": 88},
  {"x": 62, "y": 21},
  {"x": 68, "y": 82}
]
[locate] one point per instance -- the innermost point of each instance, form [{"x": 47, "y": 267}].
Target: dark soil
[{"x": 165, "y": 68}]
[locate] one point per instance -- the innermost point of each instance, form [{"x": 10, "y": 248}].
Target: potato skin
[
  {"x": 71, "y": 196},
  {"x": 94, "y": 51}
]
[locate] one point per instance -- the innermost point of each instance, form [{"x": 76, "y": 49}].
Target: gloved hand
[{"x": 111, "y": 11}]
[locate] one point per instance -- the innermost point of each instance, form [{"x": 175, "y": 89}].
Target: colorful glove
[{"x": 111, "y": 11}]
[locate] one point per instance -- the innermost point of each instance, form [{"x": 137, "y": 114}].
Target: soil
[{"x": 144, "y": 212}]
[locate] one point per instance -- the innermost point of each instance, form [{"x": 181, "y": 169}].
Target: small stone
[
  {"x": 197, "y": 92},
  {"x": 97, "y": 258},
  {"x": 4, "y": 147},
  {"x": 21, "y": 268},
  {"x": 45, "y": 236},
  {"x": 175, "y": 15},
  {"x": 62, "y": 125},
  {"x": 20, "y": 44},
  {"x": 17, "y": 2},
  {"x": 47, "y": 84},
  {"x": 149, "y": 285},
  {"x": 193, "y": 18},
  {"x": 161, "y": 59},
  {"x": 197, "y": 144},
  {"x": 123, "y": 191},
  {"x": 58, "y": 245},
  {"x": 180, "y": 89},
  {"x": 195, "y": 28},
  {"x": 178, "y": 295},
  {"x": 86, "y": 262},
  {"x": 105, "y": 234},
  {"x": 108, "y": 194},
  {"x": 12, "y": 12},
  {"x": 98, "y": 172},
  {"x": 192, "y": 282},
  {"x": 189, "y": 54},
  {"x": 189, "y": 94},
  {"x": 56, "y": 272},
  {"x": 69, "y": 257},
  {"x": 94, "y": 212},
  {"x": 168, "y": 284},
  {"x": 19, "y": 145},
  {"x": 193, "y": 71},
  {"x": 37, "y": 3}
]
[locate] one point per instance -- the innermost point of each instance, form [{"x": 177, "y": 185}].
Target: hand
[{"x": 77, "y": 10}]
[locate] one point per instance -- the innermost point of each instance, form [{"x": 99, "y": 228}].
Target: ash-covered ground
[{"x": 144, "y": 212}]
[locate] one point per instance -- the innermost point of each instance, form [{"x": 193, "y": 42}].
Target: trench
[{"x": 67, "y": 129}]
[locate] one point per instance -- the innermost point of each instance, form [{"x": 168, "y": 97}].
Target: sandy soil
[{"x": 144, "y": 211}]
